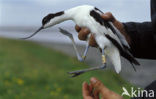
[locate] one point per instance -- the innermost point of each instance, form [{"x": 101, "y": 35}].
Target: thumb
[
  {"x": 106, "y": 93},
  {"x": 98, "y": 85}
]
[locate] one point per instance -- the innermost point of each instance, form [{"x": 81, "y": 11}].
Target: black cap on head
[
  {"x": 47, "y": 18},
  {"x": 50, "y": 16}
]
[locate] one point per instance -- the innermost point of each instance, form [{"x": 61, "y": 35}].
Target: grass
[{"x": 30, "y": 71}]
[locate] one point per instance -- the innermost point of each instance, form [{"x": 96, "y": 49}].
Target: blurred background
[{"x": 37, "y": 67}]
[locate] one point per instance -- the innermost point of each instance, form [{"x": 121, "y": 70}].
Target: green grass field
[{"x": 30, "y": 71}]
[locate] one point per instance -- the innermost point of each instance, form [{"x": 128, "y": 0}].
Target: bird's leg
[
  {"x": 77, "y": 53},
  {"x": 79, "y": 72},
  {"x": 103, "y": 57},
  {"x": 85, "y": 52},
  {"x": 68, "y": 34}
]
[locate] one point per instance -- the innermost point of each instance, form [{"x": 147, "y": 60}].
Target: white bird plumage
[
  {"x": 108, "y": 38},
  {"x": 98, "y": 31}
]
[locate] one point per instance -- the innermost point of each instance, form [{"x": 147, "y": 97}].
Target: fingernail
[
  {"x": 93, "y": 80},
  {"x": 105, "y": 15}
]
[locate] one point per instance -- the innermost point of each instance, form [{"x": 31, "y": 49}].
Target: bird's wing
[
  {"x": 119, "y": 34},
  {"x": 110, "y": 25},
  {"x": 125, "y": 53},
  {"x": 115, "y": 37},
  {"x": 113, "y": 55},
  {"x": 97, "y": 17}
]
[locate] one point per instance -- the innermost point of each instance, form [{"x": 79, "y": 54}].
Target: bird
[{"x": 109, "y": 39}]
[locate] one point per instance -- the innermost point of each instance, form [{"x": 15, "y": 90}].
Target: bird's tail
[
  {"x": 134, "y": 61},
  {"x": 131, "y": 59}
]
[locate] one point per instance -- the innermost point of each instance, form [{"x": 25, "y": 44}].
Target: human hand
[
  {"x": 83, "y": 32},
  {"x": 95, "y": 88}
]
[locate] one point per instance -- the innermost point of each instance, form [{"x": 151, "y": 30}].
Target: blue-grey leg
[
  {"x": 68, "y": 34},
  {"x": 85, "y": 52},
  {"x": 103, "y": 57},
  {"x": 79, "y": 72}
]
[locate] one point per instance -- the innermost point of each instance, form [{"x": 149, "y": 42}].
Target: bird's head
[
  {"x": 48, "y": 21},
  {"x": 52, "y": 19}
]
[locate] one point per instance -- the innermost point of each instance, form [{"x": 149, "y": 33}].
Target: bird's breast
[{"x": 103, "y": 42}]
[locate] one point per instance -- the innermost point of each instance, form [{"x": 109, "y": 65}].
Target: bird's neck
[
  {"x": 61, "y": 18},
  {"x": 67, "y": 15},
  {"x": 71, "y": 13}
]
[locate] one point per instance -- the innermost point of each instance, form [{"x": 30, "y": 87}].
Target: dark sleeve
[
  {"x": 143, "y": 40},
  {"x": 153, "y": 14},
  {"x": 143, "y": 36}
]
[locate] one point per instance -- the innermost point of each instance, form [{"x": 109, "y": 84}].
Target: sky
[{"x": 31, "y": 12}]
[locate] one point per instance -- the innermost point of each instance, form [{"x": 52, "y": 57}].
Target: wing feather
[
  {"x": 114, "y": 57},
  {"x": 110, "y": 25}
]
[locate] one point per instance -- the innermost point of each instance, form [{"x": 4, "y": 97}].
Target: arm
[
  {"x": 153, "y": 14},
  {"x": 143, "y": 36},
  {"x": 143, "y": 41},
  {"x": 140, "y": 36}
]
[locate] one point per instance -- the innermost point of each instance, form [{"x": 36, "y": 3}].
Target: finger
[
  {"x": 96, "y": 94},
  {"x": 77, "y": 28},
  {"x": 108, "y": 16},
  {"x": 106, "y": 93},
  {"x": 92, "y": 41},
  {"x": 90, "y": 88},
  {"x": 85, "y": 89},
  {"x": 83, "y": 33},
  {"x": 100, "y": 87}
]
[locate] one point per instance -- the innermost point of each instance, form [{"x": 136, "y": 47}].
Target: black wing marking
[
  {"x": 110, "y": 25},
  {"x": 98, "y": 18},
  {"x": 120, "y": 36},
  {"x": 98, "y": 10},
  {"x": 123, "y": 51}
]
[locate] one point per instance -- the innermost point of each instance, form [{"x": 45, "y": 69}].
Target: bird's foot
[
  {"x": 76, "y": 73},
  {"x": 79, "y": 72},
  {"x": 80, "y": 58},
  {"x": 83, "y": 57}
]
